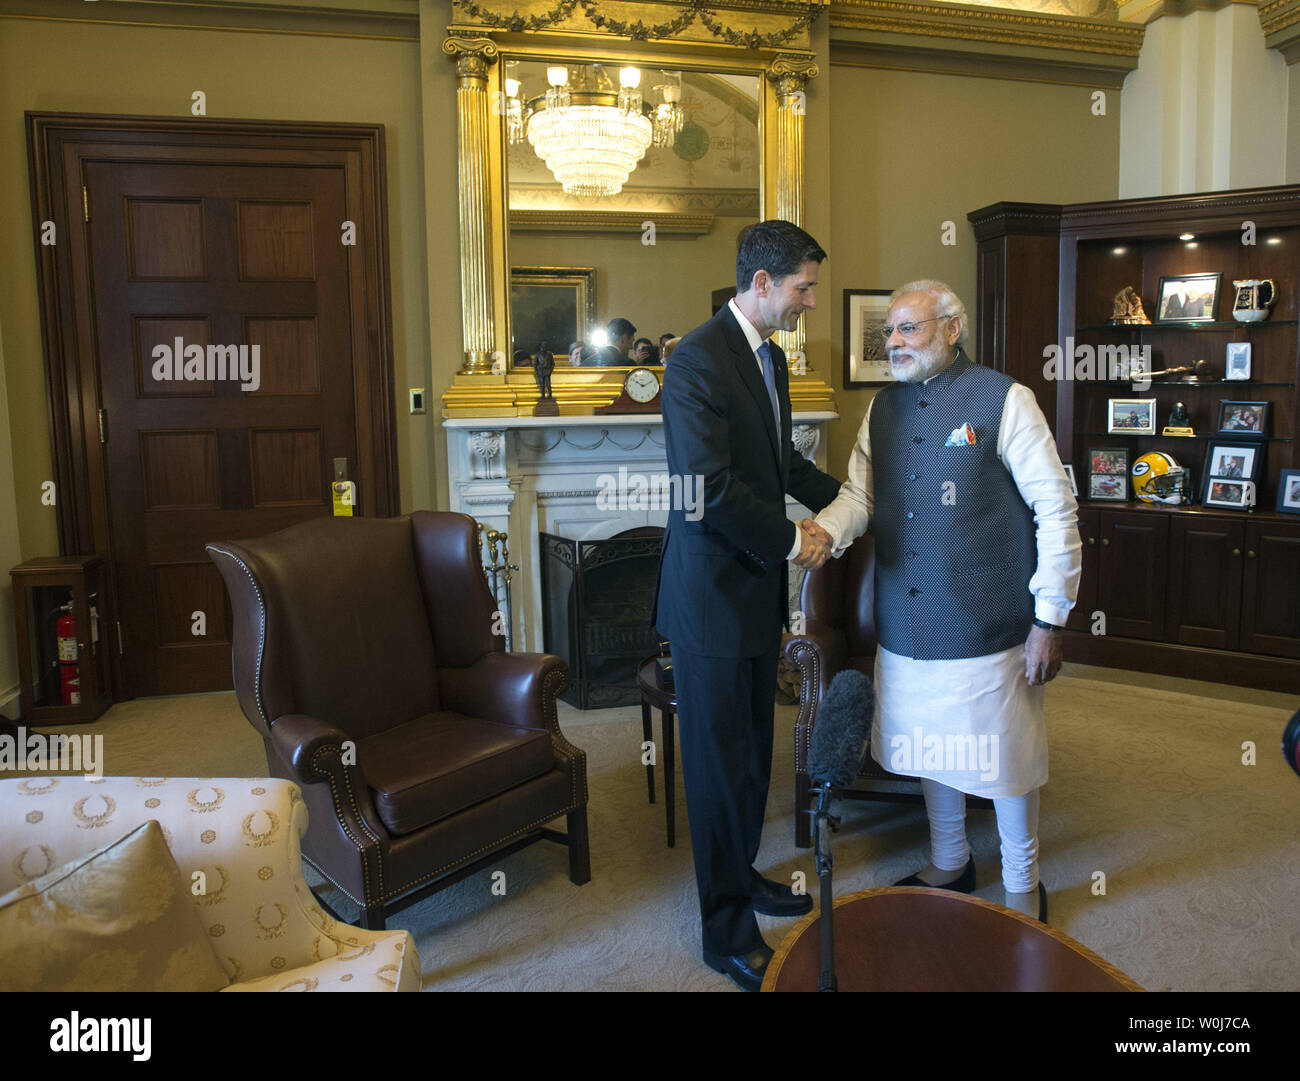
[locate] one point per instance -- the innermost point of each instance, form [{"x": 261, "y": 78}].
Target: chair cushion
[{"x": 426, "y": 769}]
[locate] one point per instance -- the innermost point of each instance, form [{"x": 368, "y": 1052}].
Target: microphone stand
[{"x": 825, "y": 867}]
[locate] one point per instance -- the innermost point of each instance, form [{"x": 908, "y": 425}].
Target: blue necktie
[{"x": 769, "y": 377}]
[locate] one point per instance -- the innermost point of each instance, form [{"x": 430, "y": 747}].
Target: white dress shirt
[
  {"x": 921, "y": 704},
  {"x": 755, "y": 340}
]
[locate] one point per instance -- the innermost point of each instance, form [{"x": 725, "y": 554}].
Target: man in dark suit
[{"x": 722, "y": 594}]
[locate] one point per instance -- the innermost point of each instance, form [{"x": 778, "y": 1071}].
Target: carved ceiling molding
[
  {"x": 749, "y": 24},
  {"x": 1280, "y": 20},
  {"x": 987, "y": 24}
]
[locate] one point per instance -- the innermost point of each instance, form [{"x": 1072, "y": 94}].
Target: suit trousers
[{"x": 725, "y": 710}]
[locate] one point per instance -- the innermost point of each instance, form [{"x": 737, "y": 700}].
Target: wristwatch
[{"x": 1045, "y": 625}]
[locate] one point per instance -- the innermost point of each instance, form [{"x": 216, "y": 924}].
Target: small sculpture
[
  {"x": 543, "y": 366},
  {"x": 1128, "y": 307},
  {"x": 1179, "y": 422}
]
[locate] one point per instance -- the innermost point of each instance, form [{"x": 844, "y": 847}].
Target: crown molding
[
  {"x": 586, "y": 222},
  {"x": 1280, "y": 21},
  {"x": 1003, "y": 26},
  {"x": 385, "y": 20}
]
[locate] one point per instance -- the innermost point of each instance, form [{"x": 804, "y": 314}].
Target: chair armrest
[
  {"x": 507, "y": 688},
  {"x": 819, "y": 653},
  {"x": 300, "y": 741}
]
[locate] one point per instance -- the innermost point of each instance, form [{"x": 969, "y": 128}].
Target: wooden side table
[
  {"x": 652, "y": 695},
  {"x": 62, "y": 618},
  {"x": 908, "y": 938}
]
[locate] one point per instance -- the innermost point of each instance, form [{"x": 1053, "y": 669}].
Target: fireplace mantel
[{"x": 529, "y": 475}]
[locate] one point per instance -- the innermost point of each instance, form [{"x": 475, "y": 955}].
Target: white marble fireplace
[{"x": 529, "y": 475}]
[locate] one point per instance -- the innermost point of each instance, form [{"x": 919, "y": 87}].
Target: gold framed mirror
[{"x": 713, "y": 61}]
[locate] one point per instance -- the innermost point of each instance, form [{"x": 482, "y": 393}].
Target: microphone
[
  {"x": 839, "y": 739},
  {"x": 839, "y": 744}
]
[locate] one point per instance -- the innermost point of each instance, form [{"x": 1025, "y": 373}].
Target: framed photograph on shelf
[
  {"x": 1288, "y": 491},
  {"x": 1131, "y": 416},
  {"x": 1243, "y": 420},
  {"x": 865, "y": 362},
  {"x": 1232, "y": 474},
  {"x": 1229, "y": 493},
  {"x": 1069, "y": 472},
  {"x": 1108, "y": 474},
  {"x": 1237, "y": 363},
  {"x": 1188, "y": 298}
]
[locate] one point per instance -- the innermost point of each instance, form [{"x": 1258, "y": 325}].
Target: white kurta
[{"x": 974, "y": 724}]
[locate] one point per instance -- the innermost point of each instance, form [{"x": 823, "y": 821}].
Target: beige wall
[
  {"x": 660, "y": 287},
  {"x": 153, "y": 71},
  {"x": 10, "y": 554},
  {"x": 1293, "y": 125},
  {"x": 912, "y": 150}
]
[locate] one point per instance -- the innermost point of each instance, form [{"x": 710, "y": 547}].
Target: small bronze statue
[
  {"x": 543, "y": 366},
  {"x": 1178, "y": 418},
  {"x": 1128, "y": 307}
]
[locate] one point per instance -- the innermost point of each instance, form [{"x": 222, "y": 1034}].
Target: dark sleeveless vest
[{"x": 955, "y": 543}]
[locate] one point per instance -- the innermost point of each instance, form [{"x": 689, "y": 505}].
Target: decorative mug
[{"x": 1249, "y": 305}]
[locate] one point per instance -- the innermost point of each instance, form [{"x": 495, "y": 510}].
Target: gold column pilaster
[
  {"x": 473, "y": 56},
  {"x": 789, "y": 75}
]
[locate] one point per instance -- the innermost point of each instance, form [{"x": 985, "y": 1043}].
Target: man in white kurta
[{"x": 963, "y": 718}]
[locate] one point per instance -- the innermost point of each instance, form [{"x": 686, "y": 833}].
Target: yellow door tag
[{"x": 344, "y": 498}]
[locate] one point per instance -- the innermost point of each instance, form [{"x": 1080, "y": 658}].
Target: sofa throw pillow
[{"x": 119, "y": 919}]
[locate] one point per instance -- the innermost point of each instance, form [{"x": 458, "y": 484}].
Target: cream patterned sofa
[{"x": 243, "y": 834}]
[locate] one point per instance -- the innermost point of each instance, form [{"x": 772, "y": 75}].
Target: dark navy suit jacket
[{"x": 723, "y": 578}]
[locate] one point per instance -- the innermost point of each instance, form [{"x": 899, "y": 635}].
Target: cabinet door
[
  {"x": 1081, "y": 615},
  {"x": 1131, "y": 573},
  {"x": 1205, "y": 558},
  {"x": 1270, "y": 601}
]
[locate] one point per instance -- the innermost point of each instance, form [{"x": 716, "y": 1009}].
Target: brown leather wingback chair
[
  {"x": 364, "y": 657},
  {"x": 838, "y": 601}
]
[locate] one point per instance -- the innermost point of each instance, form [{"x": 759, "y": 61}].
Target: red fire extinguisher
[{"x": 66, "y": 632}]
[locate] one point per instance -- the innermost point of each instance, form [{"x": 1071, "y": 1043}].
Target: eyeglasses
[{"x": 908, "y": 329}]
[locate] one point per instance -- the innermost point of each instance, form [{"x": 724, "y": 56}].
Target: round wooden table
[{"x": 908, "y": 938}]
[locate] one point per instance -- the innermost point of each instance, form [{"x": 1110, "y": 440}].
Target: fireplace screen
[{"x": 596, "y": 602}]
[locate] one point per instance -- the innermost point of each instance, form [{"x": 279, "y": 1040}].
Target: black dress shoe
[
  {"x": 773, "y": 899},
  {"x": 963, "y": 884},
  {"x": 746, "y": 969}
]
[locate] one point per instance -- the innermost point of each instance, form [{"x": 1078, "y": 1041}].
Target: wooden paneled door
[{"x": 238, "y": 353}]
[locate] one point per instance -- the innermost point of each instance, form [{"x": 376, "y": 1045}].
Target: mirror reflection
[{"x": 628, "y": 191}]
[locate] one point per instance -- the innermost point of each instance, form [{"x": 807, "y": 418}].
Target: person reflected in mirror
[
  {"x": 664, "y": 339},
  {"x": 575, "y": 353},
  {"x": 644, "y": 351},
  {"x": 666, "y": 350},
  {"x": 621, "y": 335}
]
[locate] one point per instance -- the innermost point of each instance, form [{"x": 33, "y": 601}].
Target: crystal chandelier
[{"x": 591, "y": 140}]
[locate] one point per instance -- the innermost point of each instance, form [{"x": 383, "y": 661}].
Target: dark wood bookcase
[{"x": 1203, "y": 592}]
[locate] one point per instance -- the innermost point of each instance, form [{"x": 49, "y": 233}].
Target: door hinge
[
  {"x": 85, "y": 202},
  {"x": 120, "y": 650},
  {"x": 103, "y": 427}
]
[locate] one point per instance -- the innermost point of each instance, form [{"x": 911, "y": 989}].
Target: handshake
[{"x": 814, "y": 545}]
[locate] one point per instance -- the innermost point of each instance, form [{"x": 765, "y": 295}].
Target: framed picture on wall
[
  {"x": 1188, "y": 298},
  {"x": 865, "y": 361},
  {"x": 552, "y": 304}
]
